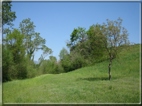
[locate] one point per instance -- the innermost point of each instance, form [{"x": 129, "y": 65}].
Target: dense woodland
[{"x": 99, "y": 43}]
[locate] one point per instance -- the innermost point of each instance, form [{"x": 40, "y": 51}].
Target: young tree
[
  {"x": 114, "y": 36},
  {"x": 63, "y": 53}
]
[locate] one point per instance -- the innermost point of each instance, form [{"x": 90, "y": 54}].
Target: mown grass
[{"x": 85, "y": 85}]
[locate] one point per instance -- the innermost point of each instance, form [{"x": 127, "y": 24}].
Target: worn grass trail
[{"x": 85, "y": 85}]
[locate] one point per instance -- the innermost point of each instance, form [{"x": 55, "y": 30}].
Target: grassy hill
[{"x": 85, "y": 85}]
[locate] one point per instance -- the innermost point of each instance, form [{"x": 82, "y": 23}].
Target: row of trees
[
  {"x": 19, "y": 46},
  {"x": 87, "y": 47},
  {"x": 98, "y": 43}
]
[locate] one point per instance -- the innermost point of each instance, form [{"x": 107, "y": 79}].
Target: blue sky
[{"x": 55, "y": 21}]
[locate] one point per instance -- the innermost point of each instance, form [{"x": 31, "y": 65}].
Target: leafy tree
[
  {"x": 95, "y": 43},
  {"x": 15, "y": 45},
  {"x": 50, "y": 66},
  {"x": 13, "y": 55},
  {"x": 63, "y": 53},
  {"x": 66, "y": 63},
  {"x": 77, "y": 37},
  {"x": 116, "y": 36},
  {"x": 77, "y": 60},
  {"x": 7, "y": 59},
  {"x": 32, "y": 40},
  {"x": 7, "y": 15},
  {"x": 78, "y": 42}
]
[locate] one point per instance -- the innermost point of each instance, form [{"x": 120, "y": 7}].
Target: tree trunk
[{"x": 109, "y": 68}]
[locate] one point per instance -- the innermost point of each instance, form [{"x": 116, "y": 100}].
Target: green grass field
[{"x": 85, "y": 85}]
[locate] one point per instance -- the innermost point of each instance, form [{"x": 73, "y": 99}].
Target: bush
[{"x": 22, "y": 71}]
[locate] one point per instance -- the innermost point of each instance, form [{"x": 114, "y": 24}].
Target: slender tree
[{"x": 114, "y": 36}]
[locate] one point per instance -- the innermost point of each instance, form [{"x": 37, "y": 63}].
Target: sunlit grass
[{"x": 85, "y": 85}]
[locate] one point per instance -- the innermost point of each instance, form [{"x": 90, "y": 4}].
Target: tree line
[{"x": 86, "y": 47}]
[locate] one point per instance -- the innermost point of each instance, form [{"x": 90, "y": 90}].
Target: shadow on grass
[{"x": 96, "y": 79}]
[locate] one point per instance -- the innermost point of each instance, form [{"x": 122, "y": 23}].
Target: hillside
[{"x": 85, "y": 85}]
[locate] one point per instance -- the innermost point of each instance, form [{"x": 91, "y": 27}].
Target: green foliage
[
  {"x": 18, "y": 54},
  {"x": 95, "y": 36},
  {"x": 115, "y": 35},
  {"x": 87, "y": 47},
  {"x": 32, "y": 40},
  {"x": 13, "y": 54},
  {"x": 51, "y": 66},
  {"x": 22, "y": 70},
  {"x": 77, "y": 36},
  {"x": 77, "y": 60},
  {"x": 63, "y": 53},
  {"x": 7, "y": 15},
  {"x": 66, "y": 63},
  {"x": 7, "y": 59},
  {"x": 15, "y": 45},
  {"x": 32, "y": 70},
  {"x": 97, "y": 44},
  {"x": 59, "y": 68}
]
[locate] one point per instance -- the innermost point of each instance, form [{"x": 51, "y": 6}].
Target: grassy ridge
[{"x": 85, "y": 85}]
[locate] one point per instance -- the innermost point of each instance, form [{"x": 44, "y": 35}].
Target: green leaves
[
  {"x": 7, "y": 15},
  {"x": 98, "y": 43},
  {"x": 78, "y": 35},
  {"x": 32, "y": 40},
  {"x": 63, "y": 53}
]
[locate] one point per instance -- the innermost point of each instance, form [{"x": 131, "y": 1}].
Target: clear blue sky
[{"x": 55, "y": 21}]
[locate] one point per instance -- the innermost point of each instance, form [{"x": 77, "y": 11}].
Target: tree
[
  {"x": 32, "y": 40},
  {"x": 77, "y": 37},
  {"x": 7, "y": 15},
  {"x": 78, "y": 42},
  {"x": 79, "y": 49},
  {"x": 7, "y": 62},
  {"x": 63, "y": 53},
  {"x": 13, "y": 55},
  {"x": 114, "y": 36},
  {"x": 15, "y": 45},
  {"x": 95, "y": 43}
]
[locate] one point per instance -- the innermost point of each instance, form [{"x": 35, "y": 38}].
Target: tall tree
[
  {"x": 32, "y": 40},
  {"x": 15, "y": 45},
  {"x": 13, "y": 55},
  {"x": 7, "y": 15},
  {"x": 6, "y": 18},
  {"x": 114, "y": 36}
]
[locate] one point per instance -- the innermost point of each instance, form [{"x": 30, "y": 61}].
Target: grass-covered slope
[{"x": 85, "y": 85}]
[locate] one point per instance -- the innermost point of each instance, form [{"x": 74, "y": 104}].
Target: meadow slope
[{"x": 85, "y": 85}]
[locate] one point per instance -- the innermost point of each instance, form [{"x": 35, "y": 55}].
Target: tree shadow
[{"x": 95, "y": 79}]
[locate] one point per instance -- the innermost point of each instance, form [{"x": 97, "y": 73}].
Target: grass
[{"x": 85, "y": 85}]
